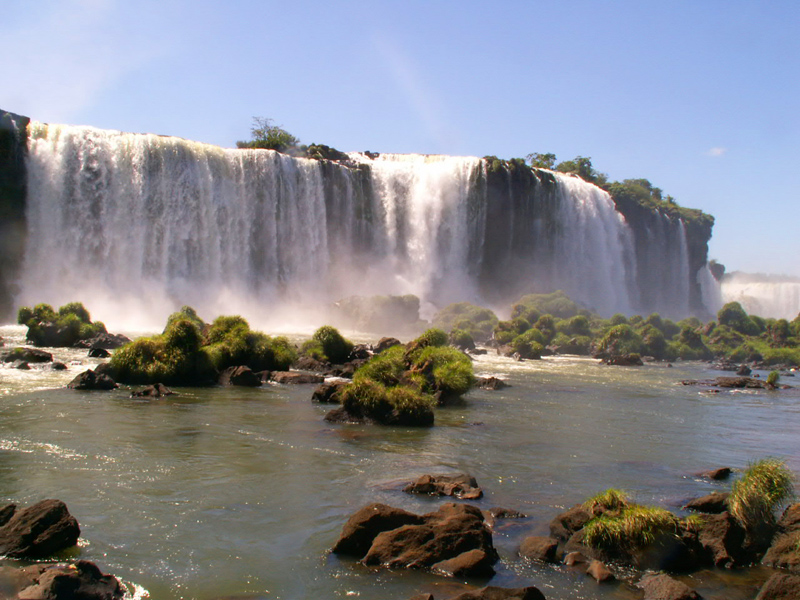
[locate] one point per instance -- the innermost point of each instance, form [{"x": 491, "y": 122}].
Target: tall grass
[
  {"x": 757, "y": 495},
  {"x": 632, "y": 528},
  {"x": 611, "y": 499}
]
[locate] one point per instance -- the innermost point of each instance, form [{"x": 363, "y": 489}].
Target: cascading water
[
  {"x": 136, "y": 225},
  {"x": 765, "y": 296}
]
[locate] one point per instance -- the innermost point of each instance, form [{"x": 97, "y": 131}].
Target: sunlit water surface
[{"x": 222, "y": 493}]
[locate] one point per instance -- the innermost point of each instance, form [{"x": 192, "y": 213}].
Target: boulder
[
  {"x": 461, "y": 486},
  {"x": 157, "y": 390},
  {"x": 21, "y": 365},
  {"x": 664, "y": 587},
  {"x": 6, "y": 513},
  {"x": 56, "y": 366},
  {"x": 540, "y": 548},
  {"x": 327, "y": 392},
  {"x": 575, "y": 558},
  {"x": 490, "y": 383},
  {"x": 472, "y": 563},
  {"x": 106, "y": 341},
  {"x": 364, "y": 526},
  {"x": 713, "y": 503},
  {"x": 306, "y": 363},
  {"x": 784, "y": 552},
  {"x": 624, "y": 360},
  {"x": 91, "y": 380},
  {"x": 348, "y": 369},
  {"x": 719, "y": 474},
  {"x": 39, "y": 531},
  {"x": 498, "y": 512},
  {"x": 80, "y": 581},
  {"x": 498, "y": 593},
  {"x": 450, "y": 531},
  {"x": 781, "y": 586},
  {"x": 743, "y": 371},
  {"x": 563, "y": 526},
  {"x": 359, "y": 352},
  {"x": 242, "y": 376},
  {"x": 294, "y": 377},
  {"x": 98, "y": 353},
  {"x": 384, "y": 344},
  {"x": 29, "y": 355},
  {"x": 599, "y": 571}
]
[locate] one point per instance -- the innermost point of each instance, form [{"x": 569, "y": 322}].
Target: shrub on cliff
[{"x": 71, "y": 324}]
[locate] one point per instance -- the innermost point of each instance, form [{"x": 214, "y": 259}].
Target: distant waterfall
[
  {"x": 136, "y": 225},
  {"x": 765, "y": 296}
]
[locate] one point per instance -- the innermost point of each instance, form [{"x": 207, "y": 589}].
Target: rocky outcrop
[
  {"x": 718, "y": 474},
  {"x": 106, "y": 341},
  {"x": 28, "y": 355},
  {"x": 396, "y": 538},
  {"x": 624, "y": 360},
  {"x": 490, "y": 383},
  {"x": 784, "y": 553},
  {"x": 80, "y": 581},
  {"x": 327, "y": 393},
  {"x": 564, "y": 525},
  {"x": 713, "y": 503},
  {"x": 461, "y": 486},
  {"x": 38, "y": 531},
  {"x": 242, "y": 376},
  {"x": 384, "y": 344},
  {"x": 92, "y": 380}
]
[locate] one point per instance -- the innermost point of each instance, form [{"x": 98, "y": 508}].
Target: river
[{"x": 240, "y": 493}]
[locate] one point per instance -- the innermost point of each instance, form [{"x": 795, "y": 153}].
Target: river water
[{"x": 240, "y": 493}]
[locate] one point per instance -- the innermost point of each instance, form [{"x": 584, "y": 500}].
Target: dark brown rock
[
  {"x": 444, "y": 534},
  {"x": 306, "y": 363},
  {"x": 107, "y": 341},
  {"x": 624, "y": 360},
  {"x": 713, "y": 503},
  {"x": 790, "y": 519},
  {"x": 39, "y": 531},
  {"x": 80, "y": 581},
  {"x": 743, "y": 370},
  {"x": 359, "y": 352},
  {"x": 327, "y": 393},
  {"x": 157, "y": 390},
  {"x": 296, "y": 378},
  {"x": 384, "y": 344},
  {"x": 498, "y": 593},
  {"x": 599, "y": 571},
  {"x": 541, "y": 548},
  {"x": 98, "y": 353},
  {"x": 498, "y": 512},
  {"x": 716, "y": 474},
  {"x": 473, "y": 563},
  {"x": 739, "y": 382},
  {"x": 6, "y": 513},
  {"x": 664, "y": 587},
  {"x": 91, "y": 380},
  {"x": 567, "y": 523},
  {"x": 781, "y": 586},
  {"x": 461, "y": 486},
  {"x": 422, "y": 597},
  {"x": 341, "y": 415},
  {"x": 364, "y": 526},
  {"x": 242, "y": 376},
  {"x": 721, "y": 539},
  {"x": 29, "y": 355},
  {"x": 490, "y": 383}
]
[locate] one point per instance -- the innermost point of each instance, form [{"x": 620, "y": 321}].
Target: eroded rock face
[
  {"x": 461, "y": 486},
  {"x": 453, "y": 539},
  {"x": 38, "y": 531}
]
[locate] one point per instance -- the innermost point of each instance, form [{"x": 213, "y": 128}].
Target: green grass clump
[
  {"x": 461, "y": 338},
  {"x": 756, "y": 496},
  {"x": 385, "y": 368},
  {"x": 451, "y": 369},
  {"x": 479, "y": 322},
  {"x": 327, "y": 344},
  {"x": 611, "y": 499},
  {"x": 529, "y": 344},
  {"x": 71, "y": 324},
  {"x": 620, "y": 339},
  {"x": 773, "y": 378},
  {"x": 398, "y": 405},
  {"x": 632, "y": 528}
]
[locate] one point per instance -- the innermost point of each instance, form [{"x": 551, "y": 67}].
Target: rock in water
[
  {"x": 664, "y": 587},
  {"x": 461, "y": 486},
  {"x": 39, "y": 531},
  {"x": 91, "y": 380},
  {"x": 240, "y": 376},
  {"x": 80, "y": 581}
]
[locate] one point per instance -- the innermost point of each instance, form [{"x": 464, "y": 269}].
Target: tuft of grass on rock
[
  {"x": 633, "y": 528},
  {"x": 611, "y": 499},
  {"x": 757, "y": 495}
]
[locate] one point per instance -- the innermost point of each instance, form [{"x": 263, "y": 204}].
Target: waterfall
[
  {"x": 135, "y": 225},
  {"x": 762, "y": 295}
]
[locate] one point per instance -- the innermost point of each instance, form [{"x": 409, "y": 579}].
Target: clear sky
[{"x": 700, "y": 97}]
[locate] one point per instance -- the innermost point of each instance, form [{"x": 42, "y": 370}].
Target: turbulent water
[
  {"x": 765, "y": 296},
  {"x": 241, "y": 493},
  {"x": 137, "y": 225}
]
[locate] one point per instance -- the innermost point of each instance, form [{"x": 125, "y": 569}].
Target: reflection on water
[{"x": 241, "y": 492}]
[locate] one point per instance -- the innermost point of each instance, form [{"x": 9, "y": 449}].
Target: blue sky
[{"x": 700, "y": 97}]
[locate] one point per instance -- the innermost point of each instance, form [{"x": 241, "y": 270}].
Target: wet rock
[
  {"x": 473, "y": 563},
  {"x": 713, "y": 503},
  {"x": 506, "y": 513},
  {"x": 624, "y": 360},
  {"x": 242, "y": 376},
  {"x": 6, "y": 513},
  {"x": 296, "y": 378},
  {"x": 157, "y": 390},
  {"x": 306, "y": 363},
  {"x": 739, "y": 382},
  {"x": 341, "y": 415},
  {"x": 92, "y": 380},
  {"x": 719, "y": 474},
  {"x": 56, "y": 366},
  {"x": 422, "y": 597},
  {"x": 21, "y": 365},
  {"x": 744, "y": 370},
  {"x": 423, "y": 541},
  {"x": 80, "y": 581},
  {"x": 29, "y": 355},
  {"x": 567, "y": 523},
  {"x": 348, "y": 369},
  {"x": 721, "y": 539},
  {"x": 498, "y": 593},
  {"x": 359, "y": 352},
  {"x": 575, "y": 558},
  {"x": 781, "y": 586},
  {"x": 490, "y": 383},
  {"x": 364, "y": 526},
  {"x": 461, "y": 486},
  {"x": 539, "y": 548},
  {"x": 98, "y": 353},
  {"x": 599, "y": 571},
  {"x": 39, "y": 531},
  {"x": 106, "y": 341},
  {"x": 327, "y": 393},
  {"x": 784, "y": 553},
  {"x": 385, "y": 343},
  {"x": 664, "y": 587}
]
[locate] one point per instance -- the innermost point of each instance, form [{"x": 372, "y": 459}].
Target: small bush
[
  {"x": 385, "y": 368},
  {"x": 762, "y": 489},
  {"x": 461, "y": 339},
  {"x": 529, "y": 345},
  {"x": 773, "y": 378},
  {"x": 621, "y": 339},
  {"x": 334, "y": 346},
  {"x": 450, "y": 369}
]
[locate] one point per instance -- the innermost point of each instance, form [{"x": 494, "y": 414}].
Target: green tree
[
  {"x": 542, "y": 161},
  {"x": 582, "y": 167},
  {"x": 267, "y": 135}
]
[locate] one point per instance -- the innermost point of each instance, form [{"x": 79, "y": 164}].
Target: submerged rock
[
  {"x": 92, "y": 380},
  {"x": 157, "y": 390},
  {"x": 716, "y": 474},
  {"x": 80, "y": 581},
  {"x": 295, "y": 377},
  {"x": 664, "y": 587},
  {"x": 106, "y": 341},
  {"x": 624, "y": 360},
  {"x": 490, "y": 383},
  {"x": 540, "y": 548},
  {"x": 98, "y": 353},
  {"x": 461, "y": 486},
  {"x": 38, "y": 531}
]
